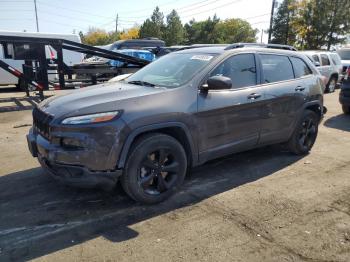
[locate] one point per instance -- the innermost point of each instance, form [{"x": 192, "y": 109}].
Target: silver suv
[{"x": 330, "y": 66}]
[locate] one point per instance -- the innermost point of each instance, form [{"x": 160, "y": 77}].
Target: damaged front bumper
[{"x": 55, "y": 160}]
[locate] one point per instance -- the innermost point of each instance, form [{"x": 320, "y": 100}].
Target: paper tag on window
[{"x": 202, "y": 57}]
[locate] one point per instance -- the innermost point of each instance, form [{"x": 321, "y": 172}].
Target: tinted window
[
  {"x": 276, "y": 68},
  {"x": 335, "y": 59},
  {"x": 240, "y": 68},
  {"x": 325, "y": 60},
  {"x": 316, "y": 58},
  {"x": 300, "y": 67}
]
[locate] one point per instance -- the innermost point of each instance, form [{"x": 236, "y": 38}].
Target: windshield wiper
[{"x": 141, "y": 83}]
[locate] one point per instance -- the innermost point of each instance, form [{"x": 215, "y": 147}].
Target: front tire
[
  {"x": 305, "y": 133},
  {"x": 155, "y": 168},
  {"x": 346, "y": 109}
]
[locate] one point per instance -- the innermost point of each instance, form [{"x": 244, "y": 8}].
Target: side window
[
  {"x": 240, "y": 68},
  {"x": 300, "y": 67},
  {"x": 335, "y": 59},
  {"x": 325, "y": 60},
  {"x": 276, "y": 68},
  {"x": 316, "y": 58}
]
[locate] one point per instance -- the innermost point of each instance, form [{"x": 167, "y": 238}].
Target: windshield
[
  {"x": 344, "y": 54},
  {"x": 171, "y": 70}
]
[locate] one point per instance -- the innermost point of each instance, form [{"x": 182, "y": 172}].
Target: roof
[{"x": 223, "y": 49}]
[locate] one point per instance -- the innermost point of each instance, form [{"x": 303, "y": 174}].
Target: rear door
[
  {"x": 280, "y": 103},
  {"x": 325, "y": 68},
  {"x": 229, "y": 120}
]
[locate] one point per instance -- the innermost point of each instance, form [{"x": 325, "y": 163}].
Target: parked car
[
  {"x": 121, "y": 45},
  {"x": 344, "y": 95},
  {"x": 179, "y": 111},
  {"x": 344, "y": 54},
  {"x": 329, "y": 65}
]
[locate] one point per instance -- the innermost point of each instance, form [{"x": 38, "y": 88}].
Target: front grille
[{"x": 41, "y": 122}]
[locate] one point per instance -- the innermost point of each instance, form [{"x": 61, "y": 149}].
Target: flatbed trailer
[{"x": 37, "y": 66}]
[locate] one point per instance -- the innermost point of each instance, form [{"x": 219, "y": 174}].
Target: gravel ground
[{"x": 261, "y": 205}]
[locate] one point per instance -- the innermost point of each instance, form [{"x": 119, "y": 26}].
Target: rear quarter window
[
  {"x": 335, "y": 59},
  {"x": 300, "y": 67},
  {"x": 276, "y": 68}
]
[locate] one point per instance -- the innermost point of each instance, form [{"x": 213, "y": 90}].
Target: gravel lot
[{"x": 261, "y": 205}]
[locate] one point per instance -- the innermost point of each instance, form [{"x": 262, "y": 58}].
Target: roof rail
[{"x": 275, "y": 46}]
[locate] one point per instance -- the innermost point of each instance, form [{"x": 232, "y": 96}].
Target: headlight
[{"x": 88, "y": 119}]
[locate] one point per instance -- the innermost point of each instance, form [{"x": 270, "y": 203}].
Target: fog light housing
[{"x": 70, "y": 142}]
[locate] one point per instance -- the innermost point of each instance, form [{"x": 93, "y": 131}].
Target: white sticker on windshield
[{"x": 202, "y": 57}]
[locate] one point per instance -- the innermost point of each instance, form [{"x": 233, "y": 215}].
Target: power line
[
  {"x": 177, "y": 9},
  {"x": 212, "y": 9},
  {"x": 72, "y": 10}
]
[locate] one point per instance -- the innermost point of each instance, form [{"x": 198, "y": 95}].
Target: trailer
[{"x": 37, "y": 66}]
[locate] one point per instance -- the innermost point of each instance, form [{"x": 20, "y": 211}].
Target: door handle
[
  {"x": 254, "y": 96},
  {"x": 299, "y": 88}
]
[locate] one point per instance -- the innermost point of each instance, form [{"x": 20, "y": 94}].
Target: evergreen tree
[
  {"x": 174, "y": 33},
  {"x": 153, "y": 27},
  {"x": 282, "y": 29}
]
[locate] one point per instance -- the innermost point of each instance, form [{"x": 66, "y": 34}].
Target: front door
[{"x": 229, "y": 120}]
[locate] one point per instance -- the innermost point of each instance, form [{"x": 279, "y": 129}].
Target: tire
[
  {"x": 332, "y": 83},
  {"x": 305, "y": 133},
  {"x": 145, "y": 178},
  {"x": 346, "y": 109}
]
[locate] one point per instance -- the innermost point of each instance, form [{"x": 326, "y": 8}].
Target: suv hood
[{"x": 100, "y": 98}]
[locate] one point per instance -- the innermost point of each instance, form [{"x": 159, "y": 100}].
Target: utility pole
[
  {"x": 36, "y": 17},
  {"x": 271, "y": 20},
  {"x": 262, "y": 33},
  {"x": 116, "y": 24},
  {"x": 287, "y": 30}
]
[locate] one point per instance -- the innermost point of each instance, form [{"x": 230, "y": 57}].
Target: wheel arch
[
  {"x": 315, "y": 106},
  {"x": 177, "y": 130}
]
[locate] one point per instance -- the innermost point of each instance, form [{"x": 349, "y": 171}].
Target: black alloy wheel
[
  {"x": 305, "y": 133},
  {"x": 308, "y": 133},
  {"x": 155, "y": 168},
  {"x": 158, "y": 171}
]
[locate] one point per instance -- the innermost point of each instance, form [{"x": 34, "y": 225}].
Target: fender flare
[
  {"x": 313, "y": 103},
  {"x": 154, "y": 127}
]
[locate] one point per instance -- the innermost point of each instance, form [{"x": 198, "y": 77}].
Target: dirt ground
[{"x": 261, "y": 205}]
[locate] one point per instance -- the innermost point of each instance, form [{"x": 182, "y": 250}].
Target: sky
[{"x": 68, "y": 16}]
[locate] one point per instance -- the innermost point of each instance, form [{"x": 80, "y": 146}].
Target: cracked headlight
[{"x": 90, "y": 119}]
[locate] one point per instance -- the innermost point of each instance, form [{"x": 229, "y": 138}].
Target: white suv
[{"x": 330, "y": 66}]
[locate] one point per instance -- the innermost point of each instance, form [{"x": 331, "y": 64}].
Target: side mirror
[
  {"x": 217, "y": 83},
  {"x": 317, "y": 64}
]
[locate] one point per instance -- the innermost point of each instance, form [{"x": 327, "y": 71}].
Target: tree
[
  {"x": 234, "y": 31},
  {"x": 132, "y": 33},
  {"x": 201, "y": 32},
  {"x": 282, "y": 31},
  {"x": 214, "y": 31},
  {"x": 321, "y": 23},
  {"x": 153, "y": 27},
  {"x": 96, "y": 37},
  {"x": 174, "y": 33}
]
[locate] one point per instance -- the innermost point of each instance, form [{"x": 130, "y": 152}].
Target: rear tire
[
  {"x": 332, "y": 83},
  {"x": 155, "y": 168},
  {"x": 305, "y": 133},
  {"x": 346, "y": 109}
]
